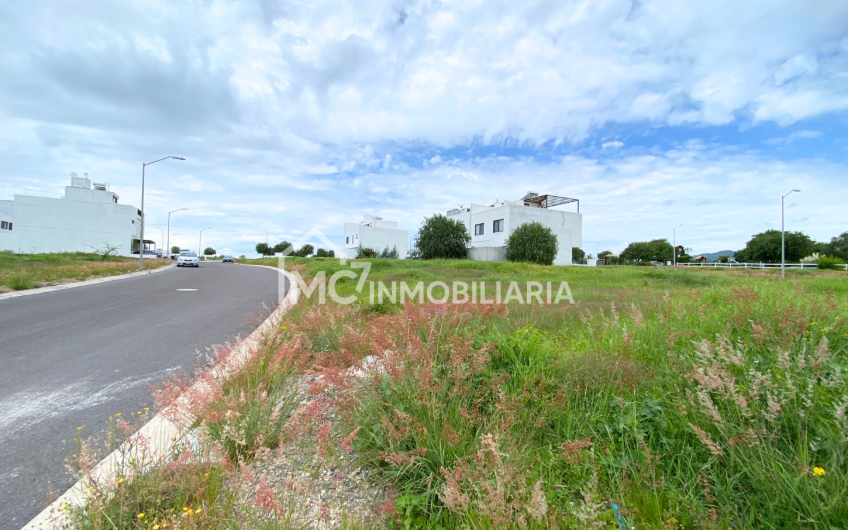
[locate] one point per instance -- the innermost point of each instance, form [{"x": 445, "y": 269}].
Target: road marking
[{"x": 186, "y": 289}]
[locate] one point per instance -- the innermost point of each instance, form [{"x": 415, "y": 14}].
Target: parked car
[
  {"x": 228, "y": 259},
  {"x": 188, "y": 258}
]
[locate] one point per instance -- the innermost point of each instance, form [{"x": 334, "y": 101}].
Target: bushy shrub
[
  {"x": 829, "y": 263},
  {"x": 365, "y": 252},
  {"x": 442, "y": 238},
  {"x": 389, "y": 254},
  {"x": 321, "y": 253},
  {"x": 532, "y": 242}
]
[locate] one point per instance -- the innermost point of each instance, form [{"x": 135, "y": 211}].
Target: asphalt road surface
[{"x": 75, "y": 357}]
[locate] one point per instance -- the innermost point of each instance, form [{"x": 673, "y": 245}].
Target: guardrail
[{"x": 728, "y": 265}]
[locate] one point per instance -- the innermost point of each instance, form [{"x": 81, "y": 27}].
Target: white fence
[{"x": 728, "y": 265}]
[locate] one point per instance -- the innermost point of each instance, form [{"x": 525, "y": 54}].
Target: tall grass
[{"x": 662, "y": 399}]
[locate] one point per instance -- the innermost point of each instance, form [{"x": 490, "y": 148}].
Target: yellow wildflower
[
  {"x": 198, "y": 510},
  {"x": 819, "y": 471},
  {"x": 65, "y": 506},
  {"x": 118, "y": 414},
  {"x": 140, "y": 516},
  {"x": 120, "y": 480},
  {"x": 156, "y": 527}
]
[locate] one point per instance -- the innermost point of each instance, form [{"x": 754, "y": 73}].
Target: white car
[{"x": 188, "y": 258}]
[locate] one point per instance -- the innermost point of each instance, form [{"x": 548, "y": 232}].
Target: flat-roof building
[
  {"x": 491, "y": 225},
  {"x": 86, "y": 218},
  {"x": 377, "y": 234}
]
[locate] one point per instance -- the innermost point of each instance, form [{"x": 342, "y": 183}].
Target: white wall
[
  {"x": 376, "y": 238},
  {"x": 81, "y": 221},
  {"x": 7, "y": 237}
]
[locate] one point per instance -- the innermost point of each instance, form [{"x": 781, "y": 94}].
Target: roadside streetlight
[
  {"x": 169, "y": 230},
  {"x": 674, "y": 243},
  {"x": 141, "y": 239},
  {"x": 199, "y": 245},
  {"x": 783, "y": 237},
  {"x": 266, "y": 237},
  {"x": 161, "y": 239}
]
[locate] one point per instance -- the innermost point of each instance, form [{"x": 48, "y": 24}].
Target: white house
[
  {"x": 490, "y": 226},
  {"x": 86, "y": 218},
  {"x": 375, "y": 233}
]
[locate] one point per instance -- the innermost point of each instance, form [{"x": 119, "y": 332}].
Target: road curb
[
  {"x": 64, "y": 286},
  {"x": 159, "y": 434}
]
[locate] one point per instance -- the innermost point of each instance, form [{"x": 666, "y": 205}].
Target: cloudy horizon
[{"x": 295, "y": 116}]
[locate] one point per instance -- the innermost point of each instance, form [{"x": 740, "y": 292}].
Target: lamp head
[{"x": 178, "y": 158}]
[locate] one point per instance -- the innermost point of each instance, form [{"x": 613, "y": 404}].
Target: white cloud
[
  {"x": 309, "y": 113},
  {"x": 799, "y": 135}
]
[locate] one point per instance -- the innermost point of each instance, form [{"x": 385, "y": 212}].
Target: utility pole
[
  {"x": 783, "y": 237},
  {"x": 674, "y": 243}
]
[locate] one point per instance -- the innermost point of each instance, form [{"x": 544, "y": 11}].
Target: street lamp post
[
  {"x": 199, "y": 244},
  {"x": 169, "y": 230},
  {"x": 141, "y": 239},
  {"x": 161, "y": 239},
  {"x": 674, "y": 243},
  {"x": 783, "y": 237},
  {"x": 266, "y": 237}
]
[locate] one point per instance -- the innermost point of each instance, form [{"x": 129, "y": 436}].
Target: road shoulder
[{"x": 42, "y": 290}]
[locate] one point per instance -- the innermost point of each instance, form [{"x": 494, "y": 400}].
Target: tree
[
  {"x": 209, "y": 251},
  {"x": 321, "y": 253},
  {"x": 442, "y": 238},
  {"x": 175, "y": 250},
  {"x": 304, "y": 252},
  {"x": 281, "y": 247},
  {"x": 331, "y": 254},
  {"x": 264, "y": 250},
  {"x": 577, "y": 253},
  {"x": 532, "y": 242},
  {"x": 604, "y": 253},
  {"x": 654, "y": 250},
  {"x": 765, "y": 247},
  {"x": 839, "y": 246}
]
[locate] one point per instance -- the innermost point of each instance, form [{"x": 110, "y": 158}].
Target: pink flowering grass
[{"x": 674, "y": 399}]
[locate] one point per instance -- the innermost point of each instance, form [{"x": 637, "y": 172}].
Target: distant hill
[{"x": 712, "y": 256}]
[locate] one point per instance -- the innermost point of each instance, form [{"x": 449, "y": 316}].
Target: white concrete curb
[
  {"x": 52, "y": 288},
  {"x": 160, "y": 434}
]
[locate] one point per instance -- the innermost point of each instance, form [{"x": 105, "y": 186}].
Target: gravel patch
[{"x": 323, "y": 482}]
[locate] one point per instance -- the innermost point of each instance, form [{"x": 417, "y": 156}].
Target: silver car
[
  {"x": 188, "y": 258},
  {"x": 228, "y": 259}
]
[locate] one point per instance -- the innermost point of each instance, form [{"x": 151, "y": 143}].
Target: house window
[
  {"x": 5, "y": 225},
  {"x": 478, "y": 229},
  {"x": 498, "y": 226},
  {"x": 347, "y": 240}
]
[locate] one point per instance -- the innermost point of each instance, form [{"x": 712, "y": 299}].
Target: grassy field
[
  {"x": 661, "y": 399},
  {"x": 28, "y": 271}
]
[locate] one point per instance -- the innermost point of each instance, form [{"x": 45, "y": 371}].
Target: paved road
[{"x": 75, "y": 357}]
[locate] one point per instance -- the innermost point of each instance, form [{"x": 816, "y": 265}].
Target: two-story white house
[
  {"x": 86, "y": 218},
  {"x": 375, "y": 233},
  {"x": 490, "y": 226}
]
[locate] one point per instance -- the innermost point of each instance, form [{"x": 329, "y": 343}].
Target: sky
[{"x": 296, "y": 115}]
